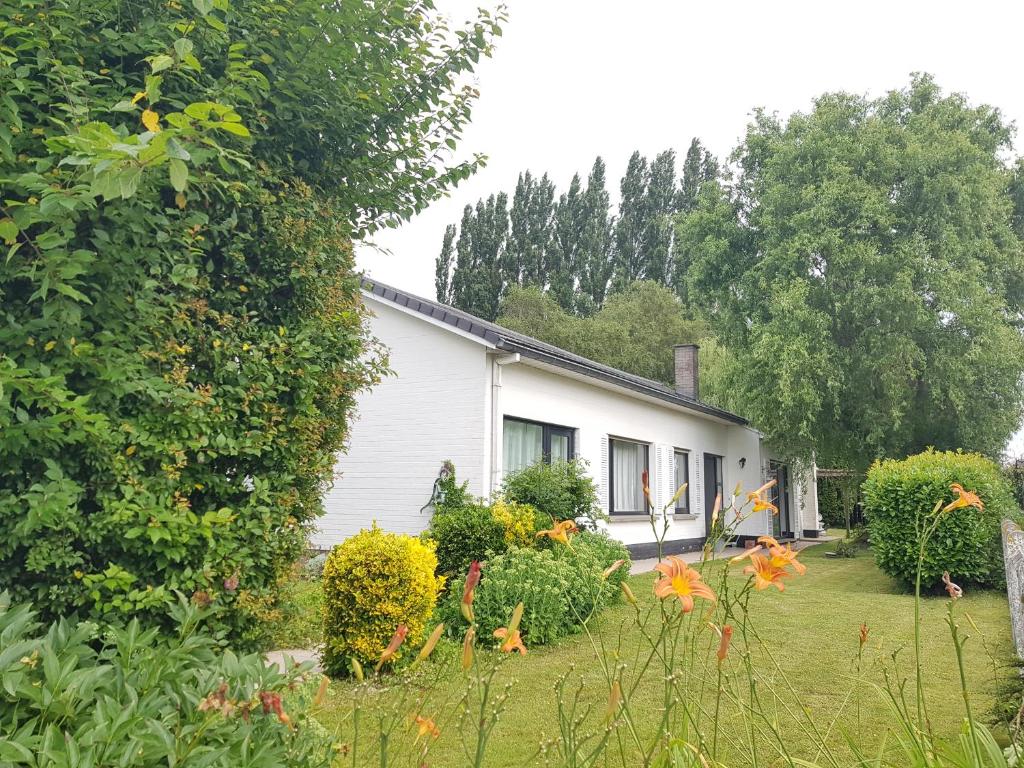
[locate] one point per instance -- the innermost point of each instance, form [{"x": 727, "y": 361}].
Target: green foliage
[
  {"x": 73, "y": 695},
  {"x": 557, "y": 587},
  {"x": 182, "y": 336},
  {"x": 1015, "y": 476},
  {"x": 464, "y": 534},
  {"x": 865, "y": 271},
  {"x": 605, "y": 551},
  {"x": 562, "y": 490},
  {"x": 298, "y": 621},
  {"x": 520, "y": 522},
  {"x": 900, "y": 495},
  {"x": 830, "y": 503},
  {"x": 374, "y": 582}
]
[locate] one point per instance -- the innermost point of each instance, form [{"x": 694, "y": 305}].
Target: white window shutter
[
  {"x": 602, "y": 482},
  {"x": 697, "y": 484}
]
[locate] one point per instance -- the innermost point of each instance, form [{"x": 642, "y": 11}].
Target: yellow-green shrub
[
  {"x": 519, "y": 522},
  {"x": 373, "y": 582}
]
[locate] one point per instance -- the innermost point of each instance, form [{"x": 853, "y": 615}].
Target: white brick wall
[{"x": 432, "y": 409}]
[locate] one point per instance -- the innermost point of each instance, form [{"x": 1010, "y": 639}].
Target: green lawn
[{"x": 812, "y": 630}]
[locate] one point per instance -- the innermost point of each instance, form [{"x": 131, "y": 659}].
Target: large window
[
  {"x": 627, "y": 461},
  {"x": 682, "y": 472},
  {"x": 527, "y": 442}
]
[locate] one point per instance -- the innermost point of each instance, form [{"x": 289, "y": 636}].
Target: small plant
[
  {"x": 463, "y": 534},
  {"x": 372, "y": 583},
  {"x": 520, "y": 522},
  {"x": 562, "y": 490},
  {"x": 71, "y": 695},
  {"x": 845, "y": 548},
  {"x": 898, "y": 496}
]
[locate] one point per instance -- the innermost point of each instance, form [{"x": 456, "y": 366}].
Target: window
[
  {"x": 527, "y": 442},
  {"x": 682, "y": 470},
  {"x": 627, "y": 461}
]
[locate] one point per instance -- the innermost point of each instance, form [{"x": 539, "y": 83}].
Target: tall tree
[
  {"x": 865, "y": 271},
  {"x": 596, "y": 242},
  {"x": 531, "y": 216},
  {"x": 631, "y": 224},
  {"x": 659, "y": 205},
  {"x": 444, "y": 265},
  {"x": 567, "y": 240},
  {"x": 699, "y": 168},
  {"x": 478, "y": 282}
]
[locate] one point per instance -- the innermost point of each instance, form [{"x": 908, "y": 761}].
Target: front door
[
  {"x": 782, "y": 526},
  {"x": 713, "y": 487}
]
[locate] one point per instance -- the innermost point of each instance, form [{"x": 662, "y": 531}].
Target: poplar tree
[{"x": 444, "y": 265}]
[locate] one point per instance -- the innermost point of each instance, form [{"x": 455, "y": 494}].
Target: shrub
[
  {"x": 562, "y": 490},
  {"x": 519, "y": 522},
  {"x": 1015, "y": 476},
  {"x": 464, "y": 534},
  {"x": 183, "y": 335},
  {"x": 830, "y": 503},
  {"x": 555, "y": 586},
  {"x": 606, "y": 551},
  {"x": 898, "y": 495},
  {"x": 71, "y": 695},
  {"x": 372, "y": 583}
]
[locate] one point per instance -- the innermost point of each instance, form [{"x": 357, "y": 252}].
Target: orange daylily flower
[
  {"x": 760, "y": 502},
  {"x": 954, "y": 590},
  {"x": 680, "y": 580},
  {"x": 392, "y": 650},
  {"x": 426, "y": 726},
  {"x": 560, "y": 532},
  {"x": 766, "y": 573},
  {"x": 963, "y": 499},
  {"x": 782, "y": 556},
  {"x": 510, "y": 637},
  {"x": 723, "y": 643}
]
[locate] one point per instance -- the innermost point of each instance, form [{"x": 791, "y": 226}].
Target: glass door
[
  {"x": 782, "y": 526},
  {"x": 713, "y": 487}
]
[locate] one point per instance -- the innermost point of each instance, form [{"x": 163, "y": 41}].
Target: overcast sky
[{"x": 570, "y": 80}]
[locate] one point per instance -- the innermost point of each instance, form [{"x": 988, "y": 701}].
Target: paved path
[
  {"x": 646, "y": 565},
  {"x": 297, "y": 655}
]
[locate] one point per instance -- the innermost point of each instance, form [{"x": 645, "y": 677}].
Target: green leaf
[
  {"x": 8, "y": 231},
  {"x": 236, "y": 128},
  {"x": 160, "y": 63},
  {"x": 179, "y": 174},
  {"x": 203, "y": 6}
]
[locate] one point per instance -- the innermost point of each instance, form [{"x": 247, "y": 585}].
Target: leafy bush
[
  {"x": 71, "y": 695},
  {"x": 606, "y": 551},
  {"x": 898, "y": 495},
  {"x": 557, "y": 587},
  {"x": 463, "y": 534},
  {"x": 1015, "y": 475},
  {"x": 373, "y": 582},
  {"x": 183, "y": 333},
  {"x": 562, "y": 490},
  {"x": 830, "y": 503},
  {"x": 520, "y": 522}
]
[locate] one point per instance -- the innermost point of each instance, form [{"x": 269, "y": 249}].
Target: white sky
[{"x": 572, "y": 79}]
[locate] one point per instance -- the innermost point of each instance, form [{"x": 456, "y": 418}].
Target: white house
[{"x": 493, "y": 401}]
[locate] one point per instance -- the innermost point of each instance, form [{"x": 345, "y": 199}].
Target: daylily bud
[
  {"x": 467, "y": 649},
  {"x": 611, "y": 569},
  {"x": 517, "y": 616},
  {"x": 723, "y": 644},
  {"x": 321, "y": 692},
  {"x": 863, "y": 634},
  {"x": 357, "y": 669},
  {"x": 628, "y": 594},
  {"x": 614, "y": 701},
  {"x": 428, "y": 646},
  {"x": 472, "y": 580},
  {"x": 392, "y": 650}
]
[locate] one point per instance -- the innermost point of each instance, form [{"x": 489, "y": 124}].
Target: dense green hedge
[
  {"x": 182, "y": 334},
  {"x": 562, "y": 490},
  {"x": 899, "y": 497}
]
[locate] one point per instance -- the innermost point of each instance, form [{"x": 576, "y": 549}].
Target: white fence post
[{"x": 1013, "y": 557}]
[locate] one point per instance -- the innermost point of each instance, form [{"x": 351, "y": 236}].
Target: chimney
[{"x": 686, "y": 370}]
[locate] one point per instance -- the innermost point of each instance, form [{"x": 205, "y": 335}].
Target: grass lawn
[{"x": 811, "y": 629}]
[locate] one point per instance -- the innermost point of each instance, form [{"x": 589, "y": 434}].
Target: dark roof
[{"x": 510, "y": 341}]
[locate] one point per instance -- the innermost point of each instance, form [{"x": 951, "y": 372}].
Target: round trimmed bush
[
  {"x": 899, "y": 494},
  {"x": 562, "y": 490},
  {"x": 373, "y": 582},
  {"x": 464, "y": 534}
]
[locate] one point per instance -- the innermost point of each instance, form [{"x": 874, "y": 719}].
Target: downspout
[{"x": 497, "y": 362}]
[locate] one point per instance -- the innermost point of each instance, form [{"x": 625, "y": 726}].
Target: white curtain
[
  {"x": 629, "y": 462},
  {"x": 559, "y": 448},
  {"x": 523, "y": 445}
]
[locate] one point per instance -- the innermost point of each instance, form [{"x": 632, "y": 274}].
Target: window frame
[
  {"x": 547, "y": 429},
  {"x": 686, "y": 509},
  {"x": 612, "y": 439}
]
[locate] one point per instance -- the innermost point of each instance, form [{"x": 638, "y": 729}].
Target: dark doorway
[
  {"x": 713, "y": 487},
  {"x": 782, "y": 523}
]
